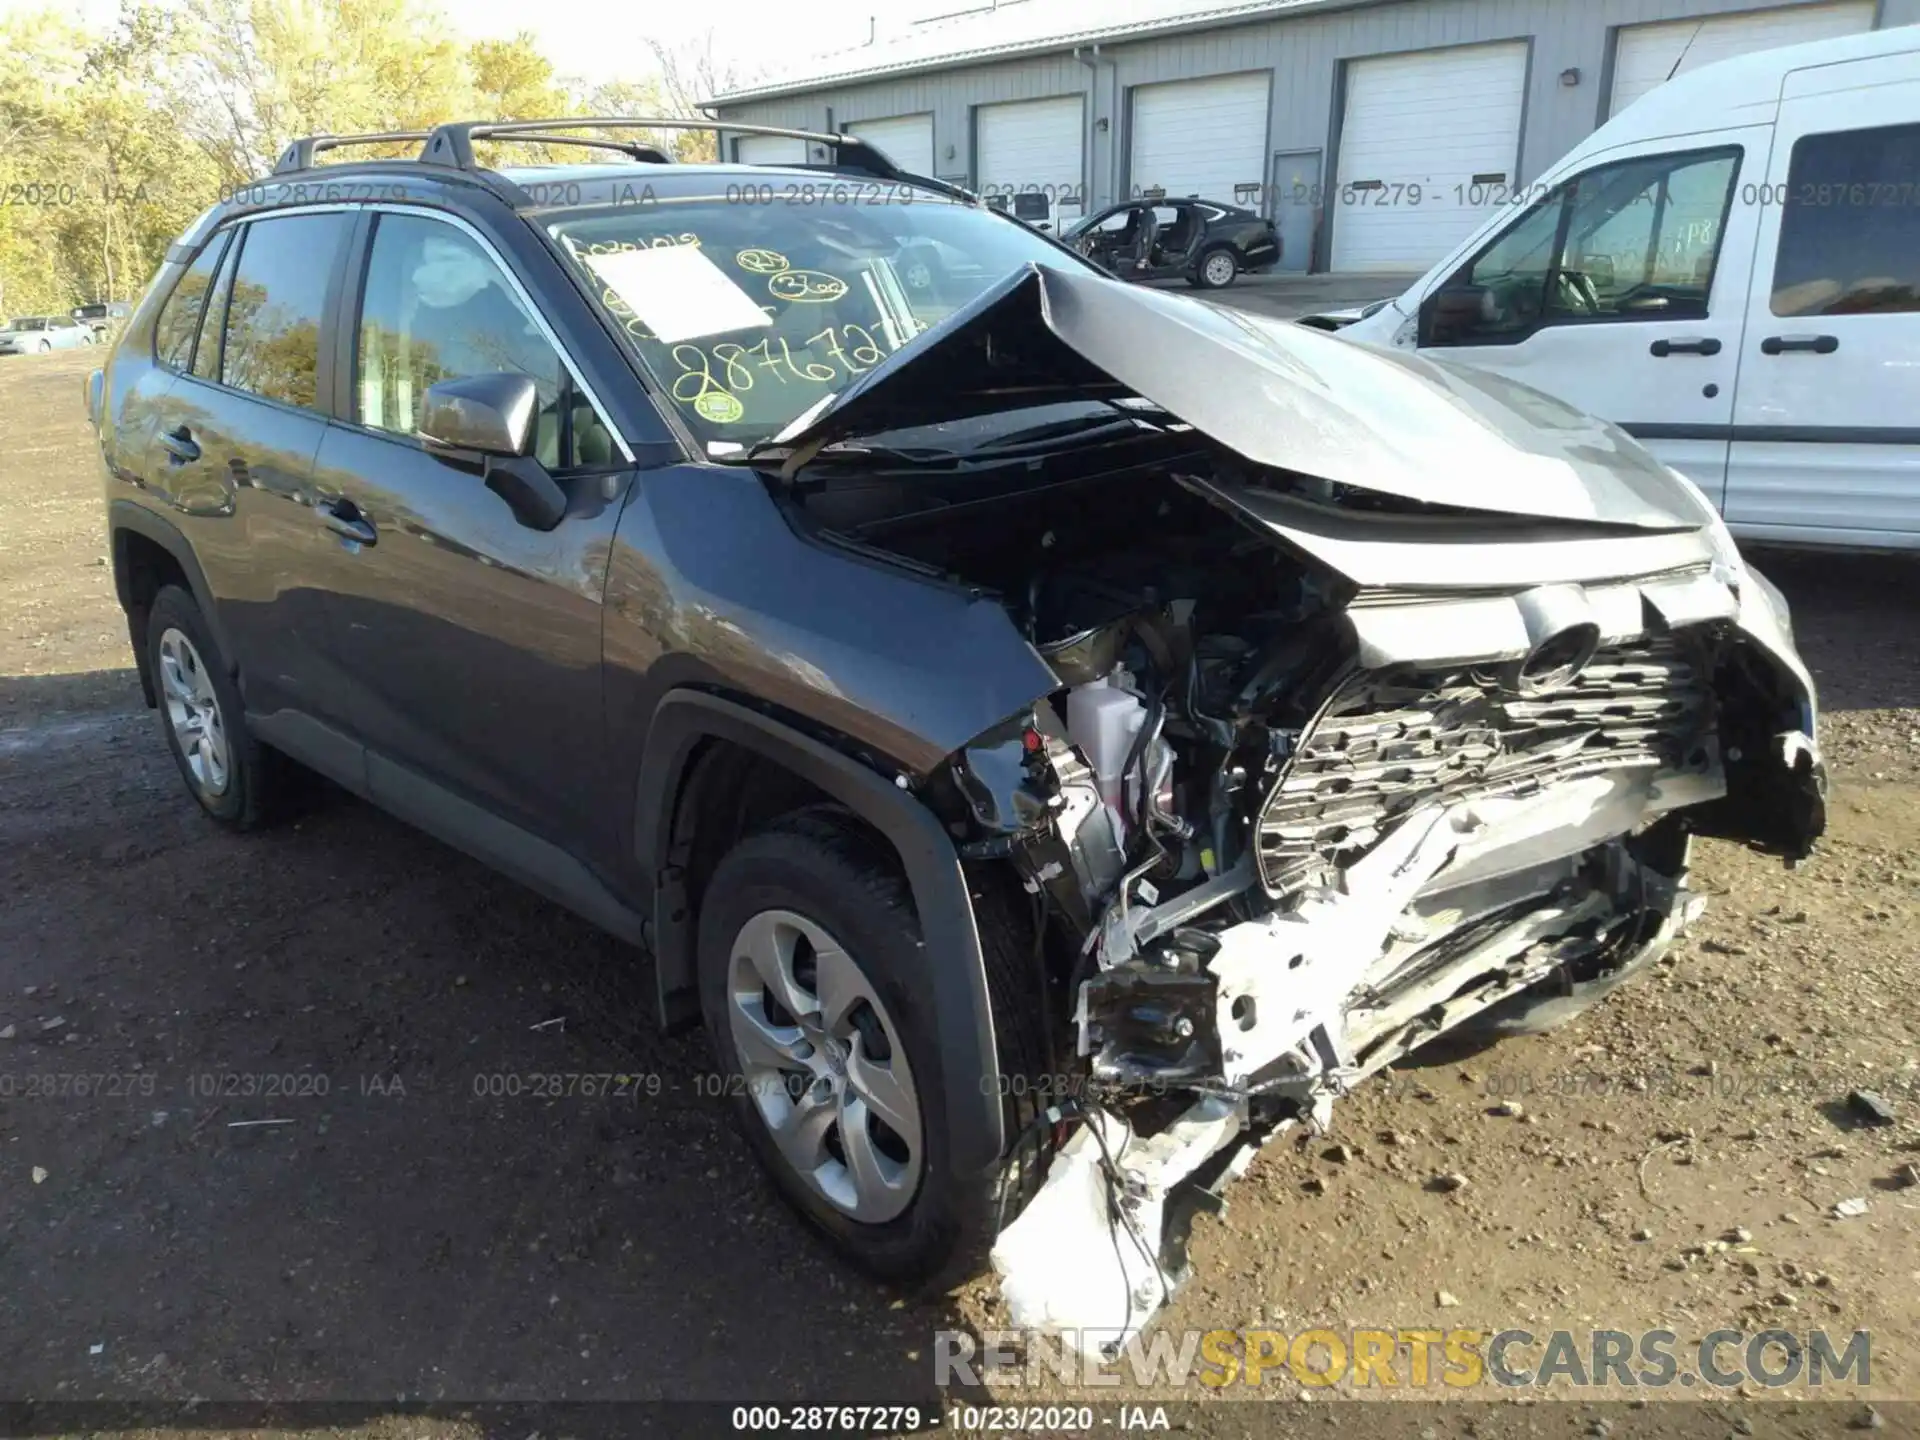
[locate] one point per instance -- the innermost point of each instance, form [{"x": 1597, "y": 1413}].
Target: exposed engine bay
[{"x": 1284, "y": 825}]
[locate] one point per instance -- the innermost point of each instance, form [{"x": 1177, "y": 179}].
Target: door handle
[
  {"x": 181, "y": 448},
  {"x": 1660, "y": 349},
  {"x": 343, "y": 517},
  {"x": 1813, "y": 344}
]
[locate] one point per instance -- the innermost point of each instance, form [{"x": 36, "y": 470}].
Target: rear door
[
  {"x": 469, "y": 642},
  {"x": 1624, "y": 292},
  {"x": 235, "y": 443},
  {"x": 1826, "y": 443}
]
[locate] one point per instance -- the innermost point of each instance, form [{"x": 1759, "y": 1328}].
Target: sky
[{"x": 596, "y": 40}]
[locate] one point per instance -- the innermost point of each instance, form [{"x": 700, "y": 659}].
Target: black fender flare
[
  {"x": 124, "y": 517},
  {"x": 955, "y": 974}
]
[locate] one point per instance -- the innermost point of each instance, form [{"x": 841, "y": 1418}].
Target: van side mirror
[
  {"x": 488, "y": 422},
  {"x": 1454, "y": 314}
]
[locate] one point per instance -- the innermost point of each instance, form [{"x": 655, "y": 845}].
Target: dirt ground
[{"x": 407, "y": 1235}]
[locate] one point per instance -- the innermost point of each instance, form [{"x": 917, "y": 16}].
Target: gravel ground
[{"x": 1671, "y": 1160}]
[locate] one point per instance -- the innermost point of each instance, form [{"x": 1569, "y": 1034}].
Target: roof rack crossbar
[
  {"x": 299, "y": 154},
  {"x": 452, "y": 144},
  {"x": 635, "y": 149}
]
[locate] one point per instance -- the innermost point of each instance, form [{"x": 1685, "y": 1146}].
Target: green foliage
[{"x": 111, "y": 143}]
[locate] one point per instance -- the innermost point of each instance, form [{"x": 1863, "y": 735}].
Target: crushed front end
[
  {"x": 1286, "y": 850},
  {"x": 1390, "y": 696}
]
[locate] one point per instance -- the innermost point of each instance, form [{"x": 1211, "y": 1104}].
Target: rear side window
[
  {"x": 1850, "y": 225},
  {"x": 278, "y": 305},
  {"x": 206, "y": 354},
  {"x": 179, "y": 321}
]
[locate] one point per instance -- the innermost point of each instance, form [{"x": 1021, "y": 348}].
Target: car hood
[{"x": 1275, "y": 393}]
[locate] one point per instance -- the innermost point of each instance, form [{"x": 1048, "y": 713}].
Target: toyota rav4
[{"x": 1054, "y": 735}]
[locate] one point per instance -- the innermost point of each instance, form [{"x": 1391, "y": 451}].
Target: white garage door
[
  {"x": 1201, "y": 137},
  {"x": 1648, "y": 54},
  {"x": 1032, "y": 145},
  {"x": 907, "y": 141},
  {"x": 769, "y": 150},
  {"x": 1447, "y": 121}
]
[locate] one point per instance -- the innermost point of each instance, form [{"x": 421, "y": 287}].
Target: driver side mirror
[
  {"x": 1454, "y": 314},
  {"x": 489, "y": 422}
]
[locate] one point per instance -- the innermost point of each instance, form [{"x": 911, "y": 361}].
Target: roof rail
[
  {"x": 452, "y": 144},
  {"x": 299, "y": 154}
]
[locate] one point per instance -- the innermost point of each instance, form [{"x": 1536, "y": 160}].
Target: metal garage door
[
  {"x": 1201, "y": 137},
  {"x": 907, "y": 140},
  {"x": 769, "y": 150},
  {"x": 1032, "y": 145},
  {"x": 1649, "y": 54},
  {"x": 1446, "y": 121}
]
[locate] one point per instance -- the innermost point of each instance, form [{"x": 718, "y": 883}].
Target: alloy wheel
[
  {"x": 824, "y": 1066},
  {"x": 193, "y": 710},
  {"x": 1219, "y": 268}
]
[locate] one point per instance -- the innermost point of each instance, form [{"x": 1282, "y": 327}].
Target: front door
[
  {"x": 1826, "y": 441},
  {"x": 1623, "y": 292},
  {"x": 469, "y": 641}
]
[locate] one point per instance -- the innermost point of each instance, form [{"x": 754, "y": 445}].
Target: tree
[{"x": 692, "y": 72}]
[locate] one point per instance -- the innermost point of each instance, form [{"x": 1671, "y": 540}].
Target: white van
[{"x": 1729, "y": 269}]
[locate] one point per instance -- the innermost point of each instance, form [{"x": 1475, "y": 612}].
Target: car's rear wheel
[
  {"x": 235, "y": 779},
  {"x": 809, "y": 953},
  {"x": 46, "y": 347},
  {"x": 1217, "y": 269}
]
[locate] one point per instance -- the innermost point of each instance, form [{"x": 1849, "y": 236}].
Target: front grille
[{"x": 1390, "y": 742}]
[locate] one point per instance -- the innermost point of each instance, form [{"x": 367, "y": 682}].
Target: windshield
[
  {"x": 749, "y": 312},
  {"x": 26, "y": 323}
]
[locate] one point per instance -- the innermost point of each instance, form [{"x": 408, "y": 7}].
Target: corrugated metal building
[{"x": 1376, "y": 132}]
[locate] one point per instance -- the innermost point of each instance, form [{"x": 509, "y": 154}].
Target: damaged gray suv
[{"x": 1054, "y": 735}]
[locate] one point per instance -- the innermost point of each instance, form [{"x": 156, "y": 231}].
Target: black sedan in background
[{"x": 1203, "y": 242}]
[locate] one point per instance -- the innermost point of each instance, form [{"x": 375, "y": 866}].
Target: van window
[
  {"x": 278, "y": 303},
  {"x": 1850, "y": 225},
  {"x": 1635, "y": 240}
]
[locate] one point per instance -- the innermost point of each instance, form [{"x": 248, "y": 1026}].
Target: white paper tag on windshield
[{"x": 678, "y": 293}]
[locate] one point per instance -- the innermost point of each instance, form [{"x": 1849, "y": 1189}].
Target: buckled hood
[{"x": 1275, "y": 393}]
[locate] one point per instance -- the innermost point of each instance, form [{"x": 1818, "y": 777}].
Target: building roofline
[{"x": 1246, "y": 12}]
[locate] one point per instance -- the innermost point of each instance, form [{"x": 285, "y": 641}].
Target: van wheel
[
  {"x": 236, "y": 779},
  {"x": 1216, "y": 270},
  {"x": 808, "y": 950}
]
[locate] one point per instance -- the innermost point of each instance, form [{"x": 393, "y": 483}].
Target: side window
[
  {"x": 1116, "y": 222},
  {"x": 437, "y": 306},
  {"x": 1850, "y": 225},
  {"x": 206, "y": 353},
  {"x": 1634, "y": 240},
  {"x": 1643, "y": 238},
  {"x": 179, "y": 318},
  {"x": 279, "y": 304}
]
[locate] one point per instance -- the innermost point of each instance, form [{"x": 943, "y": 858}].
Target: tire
[
  {"x": 234, "y": 778},
  {"x": 1217, "y": 269},
  {"x": 817, "y": 874},
  {"x": 46, "y": 347}
]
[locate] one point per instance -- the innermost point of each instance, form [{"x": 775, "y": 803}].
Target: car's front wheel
[
  {"x": 809, "y": 949},
  {"x": 236, "y": 779},
  {"x": 1216, "y": 270}
]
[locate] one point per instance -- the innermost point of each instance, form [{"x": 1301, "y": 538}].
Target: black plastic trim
[
  {"x": 1779, "y": 434},
  {"x": 127, "y": 516},
  {"x": 955, "y": 973}
]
